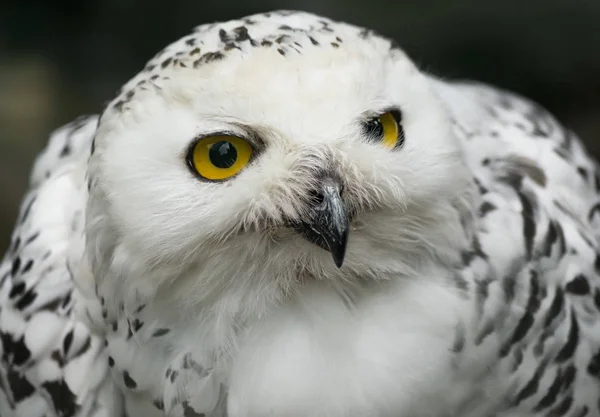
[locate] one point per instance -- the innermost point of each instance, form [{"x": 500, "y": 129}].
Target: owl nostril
[{"x": 316, "y": 198}]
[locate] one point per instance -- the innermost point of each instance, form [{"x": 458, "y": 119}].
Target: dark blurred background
[{"x": 62, "y": 58}]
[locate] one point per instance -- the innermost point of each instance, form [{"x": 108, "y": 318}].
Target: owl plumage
[{"x": 283, "y": 216}]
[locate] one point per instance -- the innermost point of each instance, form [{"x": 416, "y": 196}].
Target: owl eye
[
  {"x": 217, "y": 158},
  {"x": 386, "y": 129}
]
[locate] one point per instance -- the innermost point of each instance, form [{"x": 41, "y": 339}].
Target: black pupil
[
  {"x": 223, "y": 154},
  {"x": 374, "y": 129}
]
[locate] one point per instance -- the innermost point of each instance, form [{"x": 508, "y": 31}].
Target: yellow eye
[
  {"x": 217, "y": 158},
  {"x": 386, "y": 129}
]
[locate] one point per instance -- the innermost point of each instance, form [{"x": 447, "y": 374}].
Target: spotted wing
[{"x": 50, "y": 363}]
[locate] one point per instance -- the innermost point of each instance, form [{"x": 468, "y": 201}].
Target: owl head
[{"x": 258, "y": 153}]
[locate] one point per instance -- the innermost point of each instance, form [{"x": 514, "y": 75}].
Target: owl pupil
[
  {"x": 373, "y": 128},
  {"x": 223, "y": 154}
]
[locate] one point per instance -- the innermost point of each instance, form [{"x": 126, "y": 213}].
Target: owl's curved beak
[{"x": 327, "y": 224}]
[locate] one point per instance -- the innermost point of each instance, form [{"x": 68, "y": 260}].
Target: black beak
[{"x": 327, "y": 224}]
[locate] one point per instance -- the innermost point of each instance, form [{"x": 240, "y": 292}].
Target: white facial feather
[{"x": 307, "y": 108}]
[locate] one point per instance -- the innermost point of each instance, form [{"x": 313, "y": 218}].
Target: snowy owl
[{"x": 282, "y": 215}]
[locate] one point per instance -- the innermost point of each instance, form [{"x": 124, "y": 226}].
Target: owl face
[{"x": 327, "y": 150}]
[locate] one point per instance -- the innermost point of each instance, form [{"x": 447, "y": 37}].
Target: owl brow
[
  {"x": 242, "y": 131},
  {"x": 368, "y": 115},
  {"x": 250, "y": 134}
]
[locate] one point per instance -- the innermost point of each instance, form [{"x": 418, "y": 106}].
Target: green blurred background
[{"x": 59, "y": 59}]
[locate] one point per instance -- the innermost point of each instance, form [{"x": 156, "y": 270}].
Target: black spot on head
[
  {"x": 280, "y": 39},
  {"x": 313, "y": 40},
  {"x": 335, "y": 44},
  {"x": 394, "y": 45},
  {"x": 118, "y": 106},
  {"x": 111, "y": 361},
  {"x": 229, "y": 46},
  {"x": 364, "y": 33},
  {"x": 190, "y": 42},
  {"x": 281, "y": 51},
  {"x": 212, "y": 56},
  {"x": 241, "y": 34},
  {"x": 266, "y": 42},
  {"x": 224, "y": 36},
  {"x": 165, "y": 63}
]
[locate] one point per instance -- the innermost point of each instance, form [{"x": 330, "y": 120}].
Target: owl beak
[{"x": 327, "y": 223}]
